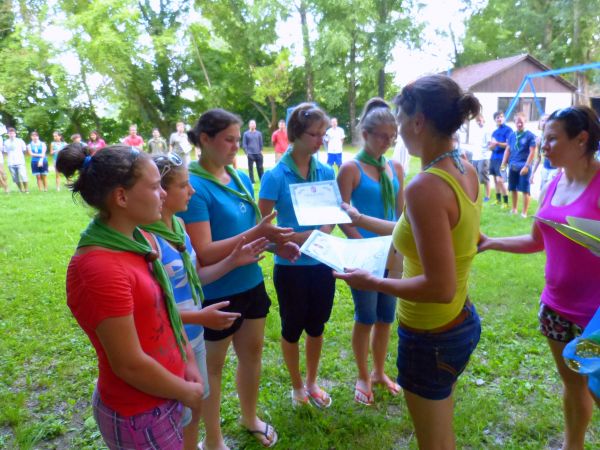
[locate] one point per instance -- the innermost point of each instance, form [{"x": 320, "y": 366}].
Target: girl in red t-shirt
[{"x": 147, "y": 371}]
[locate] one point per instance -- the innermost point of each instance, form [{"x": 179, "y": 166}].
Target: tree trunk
[
  {"x": 273, "y": 124},
  {"x": 352, "y": 88},
  {"x": 308, "y": 71},
  {"x": 581, "y": 97}
]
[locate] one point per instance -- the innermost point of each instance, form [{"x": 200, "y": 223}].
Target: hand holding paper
[
  {"x": 318, "y": 203},
  {"x": 368, "y": 254}
]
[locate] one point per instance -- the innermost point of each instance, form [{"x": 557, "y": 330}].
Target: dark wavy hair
[
  {"x": 441, "y": 101},
  {"x": 97, "y": 176}
]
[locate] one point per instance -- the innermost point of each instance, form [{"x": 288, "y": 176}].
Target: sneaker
[
  {"x": 504, "y": 206},
  {"x": 486, "y": 199}
]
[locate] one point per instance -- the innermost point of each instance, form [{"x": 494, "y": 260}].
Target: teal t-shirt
[
  {"x": 275, "y": 186},
  {"x": 228, "y": 216}
]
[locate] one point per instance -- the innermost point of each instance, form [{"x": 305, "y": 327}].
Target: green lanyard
[{"x": 100, "y": 234}]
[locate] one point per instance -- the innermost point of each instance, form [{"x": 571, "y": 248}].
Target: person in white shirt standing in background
[
  {"x": 15, "y": 149},
  {"x": 479, "y": 141},
  {"x": 334, "y": 142},
  {"x": 179, "y": 144}
]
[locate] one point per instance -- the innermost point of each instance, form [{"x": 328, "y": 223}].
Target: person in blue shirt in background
[
  {"x": 498, "y": 145},
  {"x": 305, "y": 289},
  {"x": 519, "y": 154}
]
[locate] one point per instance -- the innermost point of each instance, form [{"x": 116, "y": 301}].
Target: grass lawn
[{"x": 508, "y": 398}]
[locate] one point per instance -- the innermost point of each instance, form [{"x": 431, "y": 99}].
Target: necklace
[{"x": 454, "y": 154}]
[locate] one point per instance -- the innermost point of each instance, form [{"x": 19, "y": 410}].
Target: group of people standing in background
[{"x": 508, "y": 160}]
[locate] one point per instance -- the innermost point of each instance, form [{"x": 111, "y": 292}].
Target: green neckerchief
[
  {"x": 176, "y": 236},
  {"x": 518, "y": 135},
  {"x": 387, "y": 188},
  {"x": 100, "y": 234},
  {"x": 195, "y": 168},
  {"x": 312, "y": 167}
]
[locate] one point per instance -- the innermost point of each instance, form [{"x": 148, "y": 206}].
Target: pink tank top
[{"x": 572, "y": 271}]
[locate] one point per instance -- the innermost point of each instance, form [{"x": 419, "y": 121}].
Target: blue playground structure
[{"x": 528, "y": 80}]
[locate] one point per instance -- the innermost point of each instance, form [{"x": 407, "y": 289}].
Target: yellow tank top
[{"x": 465, "y": 235}]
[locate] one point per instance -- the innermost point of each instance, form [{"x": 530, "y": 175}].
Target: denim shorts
[
  {"x": 430, "y": 363},
  {"x": 518, "y": 182},
  {"x": 371, "y": 307},
  {"x": 496, "y": 169}
]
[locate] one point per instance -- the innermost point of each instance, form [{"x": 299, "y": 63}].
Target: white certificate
[
  {"x": 369, "y": 254},
  {"x": 584, "y": 232},
  {"x": 318, "y": 203}
]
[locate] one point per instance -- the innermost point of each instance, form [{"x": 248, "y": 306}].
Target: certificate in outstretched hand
[
  {"x": 585, "y": 232},
  {"x": 369, "y": 254},
  {"x": 318, "y": 203}
]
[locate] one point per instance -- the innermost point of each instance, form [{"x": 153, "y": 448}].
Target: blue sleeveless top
[
  {"x": 182, "y": 290},
  {"x": 367, "y": 198},
  {"x": 36, "y": 151}
]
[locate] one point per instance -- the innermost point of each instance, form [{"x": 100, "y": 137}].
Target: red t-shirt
[
  {"x": 104, "y": 284},
  {"x": 280, "y": 139},
  {"x": 134, "y": 141}
]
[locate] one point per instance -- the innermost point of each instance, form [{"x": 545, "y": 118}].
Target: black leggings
[{"x": 305, "y": 295}]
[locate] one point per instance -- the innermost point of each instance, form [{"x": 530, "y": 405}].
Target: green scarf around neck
[
  {"x": 100, "y": 234},
  {"x": 176, "y": 236},
  {"x": 387, "y": 188},
  {"x": 195, "y": 168},
  {"x": 312, "y": 168}
]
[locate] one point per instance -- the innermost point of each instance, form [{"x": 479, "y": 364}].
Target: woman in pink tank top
[{"x": 571, "y": 295}]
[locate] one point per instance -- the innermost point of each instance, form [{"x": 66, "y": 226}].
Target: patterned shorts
[
  {"x": 157, "y": 429},
  {"x": 555, "y": 327}
]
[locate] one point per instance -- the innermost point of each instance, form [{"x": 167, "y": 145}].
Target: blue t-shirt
[
  {"x": 229, "y": 216},
  {"x": 519, "y": 144},
  {"x": 36, "y": 151},
  {"x": 275, "y": 186},
  {"x": 500, "y": 134},
  {"x": 182, "y": 291},
  {"x": 367, "y": 198}
]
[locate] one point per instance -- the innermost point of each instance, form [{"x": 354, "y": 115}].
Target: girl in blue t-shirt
[
  {"x": 179, "y": 259},
  {"x": 306, "y": 288},
  {"x": 222, "y": 212},
  {"x": 56, "y": 146},
  {"x": 374, "y": 186},
  {"x": 39, "y": 162}
]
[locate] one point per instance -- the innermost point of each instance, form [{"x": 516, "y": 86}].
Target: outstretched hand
[
  {"x": 352, "y": 212},
  {"x": 272, "y": 232},
  {"x": 357, "y": 279},
  {"x": 212, "y": 317},
  {"x": 244, "y": 254},
  {"x": 289, "y": 251},
  {"x": 484, "y": 243}
]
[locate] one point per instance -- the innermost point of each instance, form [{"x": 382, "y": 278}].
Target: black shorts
[
  {"x": 305, "y": 295},
  {"x": 251, "y": 304}
]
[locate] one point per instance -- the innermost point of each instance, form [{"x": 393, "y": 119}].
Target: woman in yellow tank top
[{"x": 437, "y": 234}]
